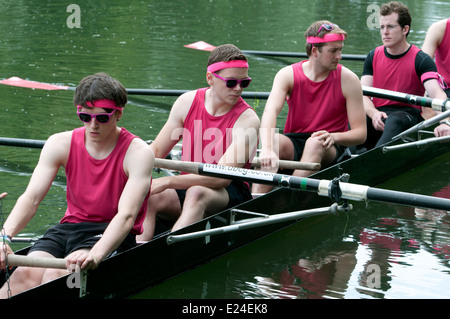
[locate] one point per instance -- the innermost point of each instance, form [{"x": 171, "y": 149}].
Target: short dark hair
[
  {"x": 225, "y": 53},
  {"x": 404, "y": 16},
  {"x": 313, "y": 30},
  {"x": 100, "y": 86}
]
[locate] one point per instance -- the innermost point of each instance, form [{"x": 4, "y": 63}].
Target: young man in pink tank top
[
  {"x": 398, "y": 66},
  {"x": 325, "y": 102},
  {"x": 213, "y": 123},
  {"x": 437, "y": 45},
  {"x": 108, "y": 172}
]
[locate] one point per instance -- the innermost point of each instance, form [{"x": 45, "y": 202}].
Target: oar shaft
[
  {"x": 354, "y": 57},
  {"x": 168, "y": 92},
  {"x": 238, "y": 173},
  {"x": 409, "y": 199},
  {"x": 20, "y": 142},
  {"x": 435, "y": 104},
  {"x": 203, "y": 46},
  {"x": 322, "y": 187},
  {"x": 156, "y": 92}
]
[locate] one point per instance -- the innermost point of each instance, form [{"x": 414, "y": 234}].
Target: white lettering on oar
[{"x": 238, "y": 172}]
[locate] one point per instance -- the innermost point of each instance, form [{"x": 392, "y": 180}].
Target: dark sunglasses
[
  {"x": 100, "y": 117},
  {"x": 231, "y": 83}
]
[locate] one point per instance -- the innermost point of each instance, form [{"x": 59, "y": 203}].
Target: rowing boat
[{"x": 170, "y": 254}]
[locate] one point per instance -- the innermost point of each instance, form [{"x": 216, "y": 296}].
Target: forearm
[
  {"x": 22, "y": 213},
  {"x": 369, "y": 107},
  {"x": 119, "y": 227},
  {"x": 267, "y": 131},
  {"x": 352, "y": 137}
]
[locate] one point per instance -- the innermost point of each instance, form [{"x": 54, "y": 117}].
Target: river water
[{"x": 141, "y": 44}]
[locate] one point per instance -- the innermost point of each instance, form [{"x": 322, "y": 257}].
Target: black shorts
[
  {"x": 299, "y": 141},
  {"x": 63, "y": 239},
  {"x": 238, "y": 192}
]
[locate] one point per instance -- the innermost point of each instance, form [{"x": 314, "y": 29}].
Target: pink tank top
[
  {"x": 396, "y": 75},
  {"x": 94, "y": 186},
  {"x": 206, "y": 137},
  {"x": 443, "y": 55},
  {"x": 315, "y": 106}
]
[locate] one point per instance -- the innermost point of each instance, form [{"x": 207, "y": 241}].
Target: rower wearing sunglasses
[
  {"x": 325, "y": 114},
  {"x": 217, "y": 127},
  {"x": 108, "y": 172}
]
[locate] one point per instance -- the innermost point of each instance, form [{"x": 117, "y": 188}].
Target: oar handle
[
  {"x": 30, "y": 261},
  {"x": 188, "y": 167}
]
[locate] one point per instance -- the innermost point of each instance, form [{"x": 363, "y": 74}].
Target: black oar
[
  {"x": 15, "y": 81},
  {"x": 203, "y": 46},
  {"x": 349, "y": 191},
  {"x": 166, "y": 92},
  {"x": 19, "y": 142},
  {"x": 435, "y": 104},
  {"x": 322, "y": 187}
]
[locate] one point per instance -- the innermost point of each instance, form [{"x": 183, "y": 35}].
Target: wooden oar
[
  {"x": 322, "y": 187},
  {"x": 203, "y": 46},
  {"x": 30, "y": 261}
]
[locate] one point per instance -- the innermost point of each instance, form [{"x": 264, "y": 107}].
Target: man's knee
[
  {"x": 314, "y": 145},
  {"x": 24, "y": 278},
  {"x": 197, "y": 193}
]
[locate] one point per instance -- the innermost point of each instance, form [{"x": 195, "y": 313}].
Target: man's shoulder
[
  {"x": 248, "y": 118},
  {"x": 61, "y": 138},
  {"x": 139, "y": 150},
  {"x": 183, "y": 104},
  {"x": 346, "y": 73}
]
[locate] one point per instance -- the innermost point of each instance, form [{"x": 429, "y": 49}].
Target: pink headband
[
  {"x": 330, "y": 37},
  {"x": 104, "y": 104},
  {"x": 225, "y": 65}
]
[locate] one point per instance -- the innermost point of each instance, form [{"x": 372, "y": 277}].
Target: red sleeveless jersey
[
  {"x": 397, "y": 75},
  {"x": 94, "y": 186},
  {"x": 443, "y": 55},
  {"x": 315, "y": 106},
  {"x": 206, "y": 137}
]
